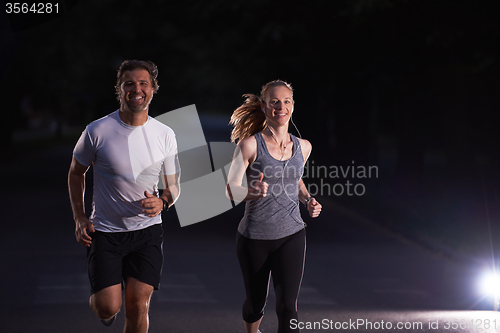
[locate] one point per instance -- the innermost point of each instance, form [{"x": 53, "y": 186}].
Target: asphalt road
[{"x": 358, "y": 276}]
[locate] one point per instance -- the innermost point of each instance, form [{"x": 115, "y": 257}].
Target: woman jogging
[{"x": 266, "y": 173}]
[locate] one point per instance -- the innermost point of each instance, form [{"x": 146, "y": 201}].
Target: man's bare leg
[
  {"x": 107, "y": 302},
  {"x": 137, "y": 301}
]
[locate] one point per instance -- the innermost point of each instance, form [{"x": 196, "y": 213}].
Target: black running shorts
[{"x": 113, "y": 256}]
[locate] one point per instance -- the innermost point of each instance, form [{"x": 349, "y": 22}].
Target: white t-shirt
[{"x": 127, "y": 161}]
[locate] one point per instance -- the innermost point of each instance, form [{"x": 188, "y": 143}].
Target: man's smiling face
[{"x": 135, "y": 91}]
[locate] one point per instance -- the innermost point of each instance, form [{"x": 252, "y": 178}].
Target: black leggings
[{"x": 284, "y": 259}]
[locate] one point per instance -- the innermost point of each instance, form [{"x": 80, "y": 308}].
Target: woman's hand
[
  {"x": 258, "y": 188},
  {"x": 314, "y": 208}
]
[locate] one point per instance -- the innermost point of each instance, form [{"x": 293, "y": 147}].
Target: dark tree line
[{"x": 418, "y": 77}]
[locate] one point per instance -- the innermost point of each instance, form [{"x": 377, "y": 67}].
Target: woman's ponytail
[{"x": 247, "y": 119}]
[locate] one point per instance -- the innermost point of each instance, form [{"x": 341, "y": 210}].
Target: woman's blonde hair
[{"x": 248, "y": 118}]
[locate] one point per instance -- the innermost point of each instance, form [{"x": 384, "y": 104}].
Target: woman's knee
[
  {"x": 253, "y": 311},
  {"x": 286, "y": 308}
]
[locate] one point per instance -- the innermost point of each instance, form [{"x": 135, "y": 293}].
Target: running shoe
[{"x": 108, "y": 322}]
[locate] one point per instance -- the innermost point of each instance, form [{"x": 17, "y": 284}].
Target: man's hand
[
  {"x": 152, "y": 204},
  {"x": 314, "y": 208},
  {"x": 258, "y": 189},
  {"x": 82, "y": 236}
]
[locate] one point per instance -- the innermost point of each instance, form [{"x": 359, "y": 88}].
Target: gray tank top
[{"x": 278, "y": 214}]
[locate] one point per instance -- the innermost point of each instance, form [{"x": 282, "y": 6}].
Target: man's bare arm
[{"x": 76, "y": 188}]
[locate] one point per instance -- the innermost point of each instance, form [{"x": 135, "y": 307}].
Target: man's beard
[{"x": 136, "y": 108}]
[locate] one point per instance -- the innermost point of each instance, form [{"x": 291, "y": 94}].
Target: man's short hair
[{"x": 130, "y": 65}]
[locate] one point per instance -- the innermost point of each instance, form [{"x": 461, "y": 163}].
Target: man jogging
[{"x": 131, "y": 153}]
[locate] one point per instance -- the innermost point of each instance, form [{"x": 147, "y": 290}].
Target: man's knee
[
  {"x": 107, "y": 302},
  {"x": 137, "y": 298},
  {"x": 136, "y": 308}
]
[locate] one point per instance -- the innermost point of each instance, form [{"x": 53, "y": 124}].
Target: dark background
[{"x": 410, "y": 86}]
